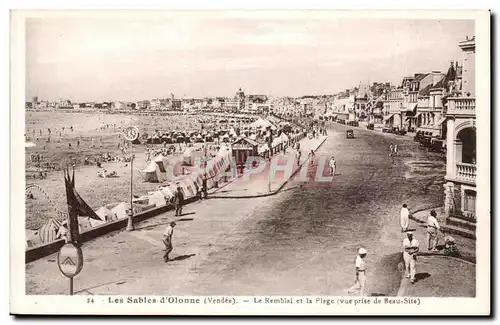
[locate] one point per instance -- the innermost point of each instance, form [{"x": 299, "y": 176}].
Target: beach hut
[{"x": 242, "y": 149}]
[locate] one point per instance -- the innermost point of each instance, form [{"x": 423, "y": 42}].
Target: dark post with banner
[{"x": 70, "y": 257}]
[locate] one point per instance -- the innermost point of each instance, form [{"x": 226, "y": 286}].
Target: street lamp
[
  {"x": 130, "y": 222},
  {"x": 131, "y": 134}
]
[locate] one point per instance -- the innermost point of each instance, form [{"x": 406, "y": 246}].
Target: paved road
[{"x": 302, "y": 241}]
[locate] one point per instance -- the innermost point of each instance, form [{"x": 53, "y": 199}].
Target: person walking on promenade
[
  {"x": 395, "y": 150},
  {"x": 404, "y": 218},
  {"x": 410, "y": 250},
  {"x": 167, "y": 240},
  {"x": 360, "y": 282},
  {"x": 299, "y": 153},
  {"x": 311, "y": 158},
  {"x": 178, "y": 201},
  {"x": 333, "y": 166},
  {"x": 432, "y": 231},
  {"x": 391, "y": 149}
]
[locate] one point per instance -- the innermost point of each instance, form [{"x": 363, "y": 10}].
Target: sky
[{"x": 84, "y": 59}]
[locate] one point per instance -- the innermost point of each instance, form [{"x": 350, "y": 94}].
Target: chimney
[{"x": 436, "y": 76}]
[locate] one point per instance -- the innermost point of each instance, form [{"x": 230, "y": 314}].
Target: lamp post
[
  {"x": 130, "y": 222},
  {"x": 131, "y": 134}
]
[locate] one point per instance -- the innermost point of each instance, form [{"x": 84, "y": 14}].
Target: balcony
[
  {"x": 465, "y": 106},
  {"x": 466, "y": 172}
]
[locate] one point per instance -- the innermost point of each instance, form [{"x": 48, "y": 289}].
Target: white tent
[
  {"x": 263, "y": 148},
  {"x": 121, "y": 210},
  {"x": 33, "y": 238},
  {"x": 156, "y": 198},
  {"x": 262, "y": 123},
  {"x": 276, "y": 142},
  {"x": 166, "y": 191},
  {"x": 156, "y": 171},
  {"x": 284, "y": 137},
  {"x": 105, "y": 214}
]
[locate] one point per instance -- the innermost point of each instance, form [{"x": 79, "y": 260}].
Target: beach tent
[
  {"x": 161, "y": 162},
  {"x": 167, "y": 139},
  {"x": 32, "y": 238},
  {"x": 167, "y": 192},
  {"x": 262, "y": 123},
  {"x": 29, "y": 144},
  {"x": 187, "y": 156},
  {"x": 199, "y": 138},
  {"x": 276, "y": 142},
  {"x": 157, "y": 198},
  {"x": 284, "y": 138},
  {"x": 121, "y": 210},
  {"x": 156, "y": 170},
  {"x": 48, "y": 232},
  {"x": 187, "y": 186},
  {"x": 149, "y": 173},
  {"x": 262, "y": 148},
  {"x": 105, "y": 214}
]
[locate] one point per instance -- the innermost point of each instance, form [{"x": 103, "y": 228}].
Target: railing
[
  {"x": 466, "y": 172},
  {"x": 462, "y": 106}
]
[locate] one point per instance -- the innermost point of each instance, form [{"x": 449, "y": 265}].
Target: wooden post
[{"x": 71, "y": 286}]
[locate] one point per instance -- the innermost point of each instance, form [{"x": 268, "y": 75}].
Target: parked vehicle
[
  {"x": 386, "y": 130},
  {"x": 370, "y": 126},
  {"x": 353, "y": 123},
  {"x": 400, "y": 131},
  {"x": 350, "y": 134},
  {"x": 436, "y": 145}
]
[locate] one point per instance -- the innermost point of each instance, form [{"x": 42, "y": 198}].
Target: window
[{"x": 470, "y": 201}]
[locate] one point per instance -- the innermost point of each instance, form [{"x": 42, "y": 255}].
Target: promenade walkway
[{"x": 269, "y": 178}]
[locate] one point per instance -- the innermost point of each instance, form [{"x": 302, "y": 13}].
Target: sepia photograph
[{"x": 281, "y": 160}]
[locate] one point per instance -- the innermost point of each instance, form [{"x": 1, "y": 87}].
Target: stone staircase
[
  {"x": 453, "y": 225},
  {"x": 462, "y": 227}
]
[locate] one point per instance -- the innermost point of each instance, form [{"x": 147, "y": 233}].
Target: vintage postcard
[{"x": 250, "y": 162}]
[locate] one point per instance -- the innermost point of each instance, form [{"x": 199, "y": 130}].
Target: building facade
[{"x": 460, "y": 186}]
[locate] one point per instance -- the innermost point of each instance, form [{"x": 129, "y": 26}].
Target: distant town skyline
[{"x": 130, "y": 60}]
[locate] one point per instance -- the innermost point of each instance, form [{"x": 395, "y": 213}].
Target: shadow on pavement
[
  {"x": 99, "y": 285},
  {"x": 186, "y": 214},
  {"x": 421, "y": 276},
  {"x": 181, "y": 257},
  {"x": 185, "y": 219},
  {"x": 151, "y": 226}
]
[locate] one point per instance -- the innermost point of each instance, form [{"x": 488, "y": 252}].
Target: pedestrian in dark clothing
[{"x": 178, "y": 201}]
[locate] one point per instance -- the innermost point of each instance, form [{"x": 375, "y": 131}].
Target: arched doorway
[{"x": 466, "y": 146}]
